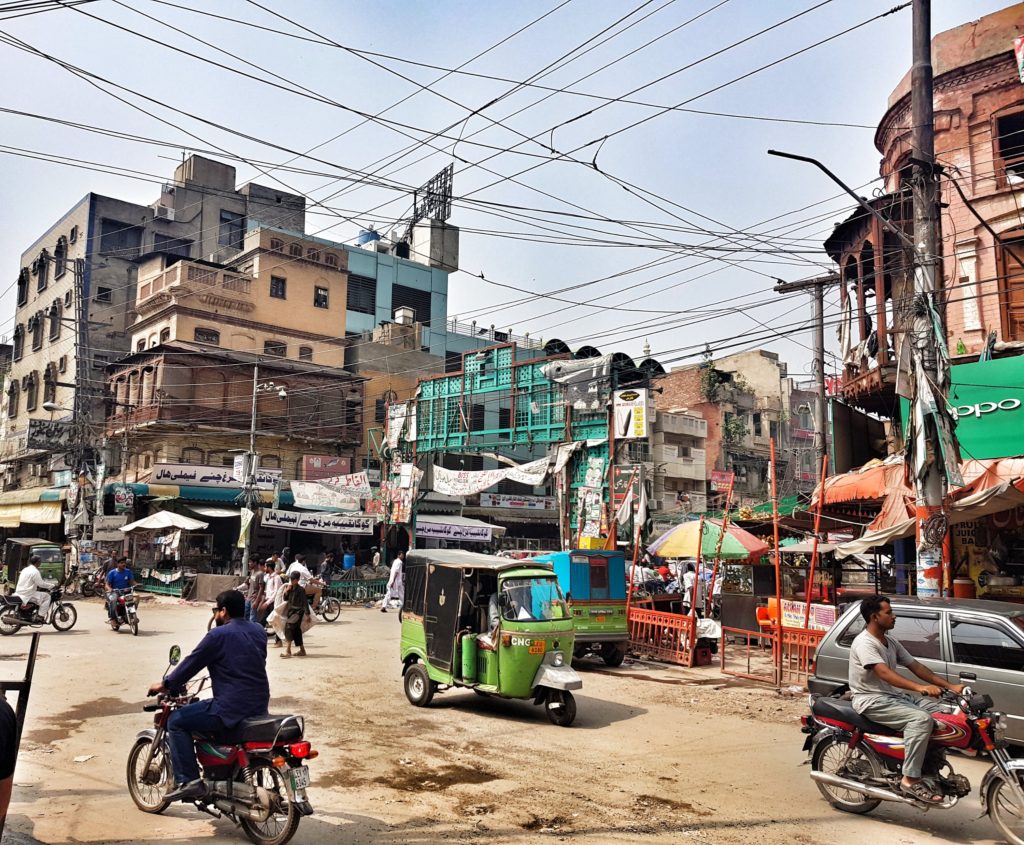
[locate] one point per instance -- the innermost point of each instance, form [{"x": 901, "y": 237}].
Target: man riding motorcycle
[
  {"x": 876, "y": 686},
  {"x": 119, "y": 578},
  {"x": 34, "y": 588},
  {"x": 235, "y": 654}
]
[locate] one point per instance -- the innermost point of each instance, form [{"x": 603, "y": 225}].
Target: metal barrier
[
  {"x": 798, "y": 648},
  {"x": 164, "y": 586},
  {"x": 759, "y": 658},
  {"x": 663, "y": 636},
  {"x": 356, "y": 591}
]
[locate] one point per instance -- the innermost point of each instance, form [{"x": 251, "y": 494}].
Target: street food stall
[{"x": 167, "y": 551}]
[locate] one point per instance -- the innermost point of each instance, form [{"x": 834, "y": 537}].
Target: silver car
[{"x": 966, "y": 641}]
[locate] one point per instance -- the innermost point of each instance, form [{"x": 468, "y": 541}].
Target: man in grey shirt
[{"x": 876, "y": 686}]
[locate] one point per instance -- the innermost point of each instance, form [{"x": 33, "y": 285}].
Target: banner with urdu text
[{"x": 452, "y": 482}]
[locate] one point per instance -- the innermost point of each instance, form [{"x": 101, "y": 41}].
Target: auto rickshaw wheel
[
  {"x": 613, "y": 655},
  {"x": 419, "y": 689},
  {"x": 561, "y": 707}
]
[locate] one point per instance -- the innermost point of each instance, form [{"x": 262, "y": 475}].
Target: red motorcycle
[
  {"x": 857, "y": 763},
  {"x": 255, "y": 774}
]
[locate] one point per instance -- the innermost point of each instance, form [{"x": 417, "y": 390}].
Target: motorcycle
[
  {"x": 856, "y": 763},
  {"x": 14, "y": 615},
  {"x": 126, "y": 611},
  {"x": 255, "y": 773},
  {"x": 93, "y": 584}
]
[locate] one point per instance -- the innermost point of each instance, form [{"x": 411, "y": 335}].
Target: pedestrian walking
[
  {"x": 254, "y": 589},
  {"x": 273, "y": 587},
  {"x": 296, "y": 608},
  {"x": 396, "y": 585}
]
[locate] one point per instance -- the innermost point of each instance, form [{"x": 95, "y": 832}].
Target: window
[
  {"x": 270, "y": 462},
  {"x": 918, "y": 634},
  {"x": 31, "y": 393},
  {"x": 67, "y": 299},
  {"x": 757, "y": 424},
  {"x": 330, "y": 259},
  {"x": 232, "y": 229},
  {"x": 35, "y": 325},
  {"x": 380, "y": 409},
  {"x": 598, "y": 573},
  {"x": 50, "y": 383},
  {"x": 204, "y": 335},
  {"x": 295, "y": 250},
  {"x": 362, "y": 296},
  {"x": 414, "y": 298},
  {"x": 141, "y": 345},
  {"x": 276, "y": 244},
  {"x": 60, "y": 257},
  {"x": 73, "y": 234},
  {"x": 55, "y": 315},
  {"x": 305, "y": 353},
  {"x": 104, "y": 295},
  {"x": 452, "y": 361},
  {"x": 12, "y": 400},
  {"x": 986, "y": 645},
  {"x": 120, "y": 239},
  {"x": 313, "y": 254},
  {"x": 19, "y": 342},
  {"x": 42, "y": 270},
  {"x": 165, "y": 335},
  {"x": 1010, "y": 141},
  {"x": 62, "y": 364},
  {"x": 274, "y": 347},
  {"x": 172, "y": 246},
  {"x": 23, "y": 286},
  {"x": 319, "y": 297},
  {"x": 192, "y": 456},
  {"x": 278, "y": 287}
]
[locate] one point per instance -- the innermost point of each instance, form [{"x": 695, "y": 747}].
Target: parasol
[{"x": 683, "y": 541}]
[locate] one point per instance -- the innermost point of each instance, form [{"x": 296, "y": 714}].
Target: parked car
[{"x": 967, "y": 641}]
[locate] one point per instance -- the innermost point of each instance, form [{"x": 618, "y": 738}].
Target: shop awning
[
  {"x": 164, "y": 519},
  {"x": 449, "y": 527},
  {"x": 35, "y": 506},
  {"x": 514, "y": 514},
  {"x": 186, "y": 493}
]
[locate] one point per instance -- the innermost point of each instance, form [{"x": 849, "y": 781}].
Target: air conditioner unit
[{"x": 163, "y": 212}]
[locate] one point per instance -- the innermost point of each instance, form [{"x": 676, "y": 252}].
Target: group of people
[
  {"x": 285, "y": 584},
  {"x": 682, "y": 580}
]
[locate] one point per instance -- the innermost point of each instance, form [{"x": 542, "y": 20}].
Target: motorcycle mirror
[{"x": 174, "y": 658}]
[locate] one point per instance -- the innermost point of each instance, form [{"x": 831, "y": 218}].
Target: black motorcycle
[
  {"x": 126, "y": 610},
  {"x": 15, "y": 615}
]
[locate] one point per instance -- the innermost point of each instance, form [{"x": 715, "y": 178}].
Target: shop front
[{"x": 440, "y": 531}]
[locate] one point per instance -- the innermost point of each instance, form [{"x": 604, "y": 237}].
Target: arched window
[
  {"x": 165, "y": 335},
  {"x": 23, "y": 286},
  {"x": 295, "y": 251},
  {"x": 270, "y": 462},
  {"x": 42, "y": 270},
  {"x": 141, "y": 345},
  {"x": 55, "y": 315},
  {"x": 313, "y": 254},
  {"x": 31, "y": 392},
  {"x": 12, "y": 401},
  {"x": 60, "y": 257},
  {"x": 330, "y": 259},
  {"x": 205, "y": 335},
  {"x": 305, "y": 353},
  {"x": 35, "y": 325},
  {"x": 50, "y": 383},
  {"x": 19, "y": 342},
  {"x": 276, "y": 244}
]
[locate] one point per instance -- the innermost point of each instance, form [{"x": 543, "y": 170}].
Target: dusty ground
[{"x": 657, "y": 754}]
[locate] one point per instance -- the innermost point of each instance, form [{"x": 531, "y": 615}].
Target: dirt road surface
[{"x": 657, "y": 754}]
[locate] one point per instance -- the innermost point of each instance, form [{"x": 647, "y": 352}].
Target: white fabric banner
[
  {"x": 311, "y": 494},
  {"x": 329, "y": 523},
  {"x": 452, "y": 482},
  {"x": 356, "y": 485}
]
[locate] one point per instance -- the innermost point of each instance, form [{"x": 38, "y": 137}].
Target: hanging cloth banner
[
  {"x": 356, "y": 485},
  {"x": 246, "y": 523},
  {"x": 451, "y": 482},
  {"x": 396, "y": 422},
  {"x": 310, "y": 494}
]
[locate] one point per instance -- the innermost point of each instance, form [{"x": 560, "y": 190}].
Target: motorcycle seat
[
  {"x": 842, "y": 711},
  {"x": 263, "y": 729},
  {"x": 13, "y": 600}
]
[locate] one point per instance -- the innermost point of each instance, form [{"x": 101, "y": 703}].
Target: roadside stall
[{"x": 166, "y": 550}]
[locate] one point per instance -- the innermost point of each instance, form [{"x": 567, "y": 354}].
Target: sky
[{"x": 611, "y": 179}]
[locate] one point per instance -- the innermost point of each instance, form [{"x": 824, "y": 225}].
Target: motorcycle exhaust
[{"x": 864, "y": 789}]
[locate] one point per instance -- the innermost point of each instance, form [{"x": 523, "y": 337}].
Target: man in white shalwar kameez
[{"x": 396, "y": 584}]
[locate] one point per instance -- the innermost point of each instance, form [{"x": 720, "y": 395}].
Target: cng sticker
[{"x": 521, "y": 641}]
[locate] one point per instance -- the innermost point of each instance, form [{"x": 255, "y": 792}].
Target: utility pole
[
  {"x": 933, "y": 452},
  {"x": 817, "y": 287},
  {"x": 249, "y": 488}
]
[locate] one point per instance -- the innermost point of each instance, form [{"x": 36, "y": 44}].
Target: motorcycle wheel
[
  {"x": 830, "y": 756},
  {"x": 149, "y": 797},
  {"x": 135, "y": 626},
  {"x": 562, "y": 716},
  {"x": 88, "y": 589},
  {"x": 64, "y": 617},
  {"x": 8, "y": 628},
  {"x": 282, "y": 817},
  {"x": 1005, "y": 811},
  {"x": 330, "y": 609}
]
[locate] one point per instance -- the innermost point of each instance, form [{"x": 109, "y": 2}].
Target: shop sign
[
  {"x": 208, "y": 476},
  {"x": 720, "y": 480},
  {"x": 328, "y": 523},
  {"x": 52, "y": 435},
  {"x": 309, "y": 494},
  {"x": 124, "y": 498},
  {"x": 822, "y": 617},
  {"x": 630, "y": 414},
  {"x": 315, "y": 467},
  {"x": 625, "y": 476},
  {"x": 986, "y": 399},
  {"x": 108, "y": 528},
  {"x": 530, "y": 503},
  {"x": 445, "y": 531}
]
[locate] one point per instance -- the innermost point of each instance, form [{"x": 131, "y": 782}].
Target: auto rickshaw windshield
[
  {"x": 533, "y": 600},
  {"x": 48, "y": 554}
]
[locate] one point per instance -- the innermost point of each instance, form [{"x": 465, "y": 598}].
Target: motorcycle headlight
[
  {"x": 558, "y": 659},
  {"x": 998, "y": 722}
]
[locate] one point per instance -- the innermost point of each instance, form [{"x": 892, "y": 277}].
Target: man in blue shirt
[
  {"x": 119, "y": 578},
  {"x": 235, "y": 655}
]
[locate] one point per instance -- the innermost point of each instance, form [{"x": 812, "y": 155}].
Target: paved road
[{"x": 657, "y": 755}]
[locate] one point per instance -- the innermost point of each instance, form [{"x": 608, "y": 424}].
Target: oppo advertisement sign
[{"x": 987, "y": 400}]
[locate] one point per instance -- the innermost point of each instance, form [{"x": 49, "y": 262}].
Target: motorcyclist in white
[{"x": 33, "y": 587}]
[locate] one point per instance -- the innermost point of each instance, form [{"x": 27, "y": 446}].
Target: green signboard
[{"x": 987, "y": 401}]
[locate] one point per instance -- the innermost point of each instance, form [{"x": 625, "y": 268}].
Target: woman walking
[{"x": 295, "y": 610}]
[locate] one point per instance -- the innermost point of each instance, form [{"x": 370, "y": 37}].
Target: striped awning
[{"x": 34, "y": 506}]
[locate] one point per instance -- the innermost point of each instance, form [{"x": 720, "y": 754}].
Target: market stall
[{"x": 167, "y": 551}]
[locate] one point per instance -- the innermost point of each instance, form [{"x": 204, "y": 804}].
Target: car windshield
[{"x": 533, "y": 600}]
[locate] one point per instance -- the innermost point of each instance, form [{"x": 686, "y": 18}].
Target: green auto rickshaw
[{"x": 494, "y": 625}]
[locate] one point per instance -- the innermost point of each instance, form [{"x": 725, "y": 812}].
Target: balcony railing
[
  {"x": 198, "y": 278},
  {"x": 493, "y": 334}
]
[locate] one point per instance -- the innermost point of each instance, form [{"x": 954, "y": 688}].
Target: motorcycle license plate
[{"x": 300, "y": 777}]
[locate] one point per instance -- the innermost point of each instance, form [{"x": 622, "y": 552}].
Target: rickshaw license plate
[
  {"x": 601, "y": 618},
  {"x": 300, "y": 777},
  {"x": 537, "y": 647}
]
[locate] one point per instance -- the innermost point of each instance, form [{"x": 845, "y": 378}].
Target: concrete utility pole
[
  {"x": 928, "y": 381},
  {"x": 817, "y": 288}
]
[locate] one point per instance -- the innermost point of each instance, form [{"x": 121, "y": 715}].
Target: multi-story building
[
  {"x": 675, "y": 464},
  {"x": 76, "y": 292},
  {"x": 979, "y": 145}
]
